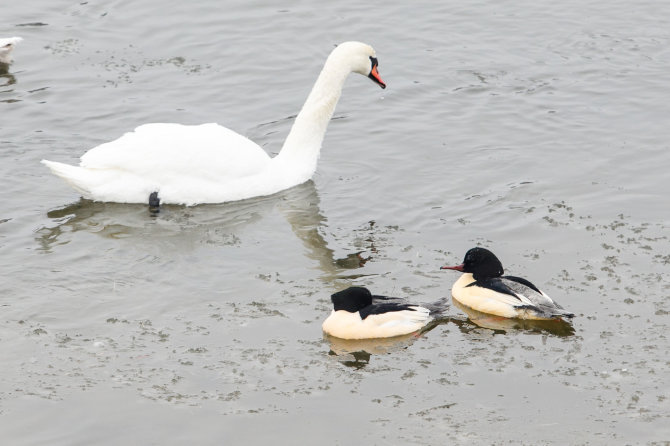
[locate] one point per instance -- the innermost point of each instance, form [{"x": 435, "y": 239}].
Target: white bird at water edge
[{"x": 7, "y": 45}]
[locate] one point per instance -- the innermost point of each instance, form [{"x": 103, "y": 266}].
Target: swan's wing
[{"x": 207, "y": 152}]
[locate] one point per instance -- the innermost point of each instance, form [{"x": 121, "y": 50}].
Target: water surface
[{"x": 536, "y": 129}]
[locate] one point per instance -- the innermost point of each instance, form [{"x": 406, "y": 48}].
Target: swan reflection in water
[{"x": 185, "y": 228}]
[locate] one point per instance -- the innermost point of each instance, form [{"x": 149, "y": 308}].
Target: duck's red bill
[{"x": 456, "y": 268}]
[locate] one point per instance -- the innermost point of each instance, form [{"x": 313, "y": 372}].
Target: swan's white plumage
[
  {"x": 209, "y": 163},
  {"x": 7, "y": 45},
  {"x": 151, "y": 149}
]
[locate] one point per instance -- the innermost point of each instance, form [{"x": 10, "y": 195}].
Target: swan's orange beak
[{"x": 374, "y": 74}]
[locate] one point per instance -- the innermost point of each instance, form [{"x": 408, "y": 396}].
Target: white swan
[
  {"x": 7, "y": 45},
  {"x": 209, "y": 163}
]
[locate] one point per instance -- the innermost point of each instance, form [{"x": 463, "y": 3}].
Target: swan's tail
[{"x": 77, "y": 177}]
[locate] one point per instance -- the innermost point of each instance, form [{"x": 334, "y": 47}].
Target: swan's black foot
[{"x": 154, "y": 202}]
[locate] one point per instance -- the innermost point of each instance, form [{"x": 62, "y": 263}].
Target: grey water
[{"x": 537, "y": 129}]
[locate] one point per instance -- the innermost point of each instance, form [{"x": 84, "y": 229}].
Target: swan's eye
[
  {"x": 7, "y": 46},
  {"x": 374, "y": 62}
]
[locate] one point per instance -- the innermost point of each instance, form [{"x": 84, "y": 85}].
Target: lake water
[{"x": 537, "y": 129}]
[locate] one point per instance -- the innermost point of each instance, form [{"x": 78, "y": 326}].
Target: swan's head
[
  {"x": 6, "y": 47},
  {"x": 361, "y": 59}
]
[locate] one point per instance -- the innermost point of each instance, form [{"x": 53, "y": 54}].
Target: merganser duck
[
  {"x": 6, "y": 47},
  {"x": 357, "y": 314},
  {"x": 483, "y": 288},
  {"x": 208, "y": 163}
]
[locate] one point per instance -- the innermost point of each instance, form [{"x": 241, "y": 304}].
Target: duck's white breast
[
  {"x": 345, "y": 325},
  {"x": 482, "y": 299}
]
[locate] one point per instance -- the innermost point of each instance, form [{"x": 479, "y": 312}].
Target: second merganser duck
[
  {"x": 357, "y": 314},
  {"x": 483, "y": 287}
]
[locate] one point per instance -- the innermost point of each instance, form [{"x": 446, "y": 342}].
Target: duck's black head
[
  {"x": 481, "y": 262},
  {"x": 352, "y": 299}
]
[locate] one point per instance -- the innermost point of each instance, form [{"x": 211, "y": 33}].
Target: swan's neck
[{"x": 303, "y": 143}]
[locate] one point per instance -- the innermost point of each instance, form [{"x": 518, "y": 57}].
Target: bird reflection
[
  {"x": 357, "y": 353},
  {"x": 300, "y": 207},
  {"x": 557, "y": 327},
  {"x": 6, "y": 78},
  {"x": 356, "y": 360},
  {"x": 187, "y": 227}
]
